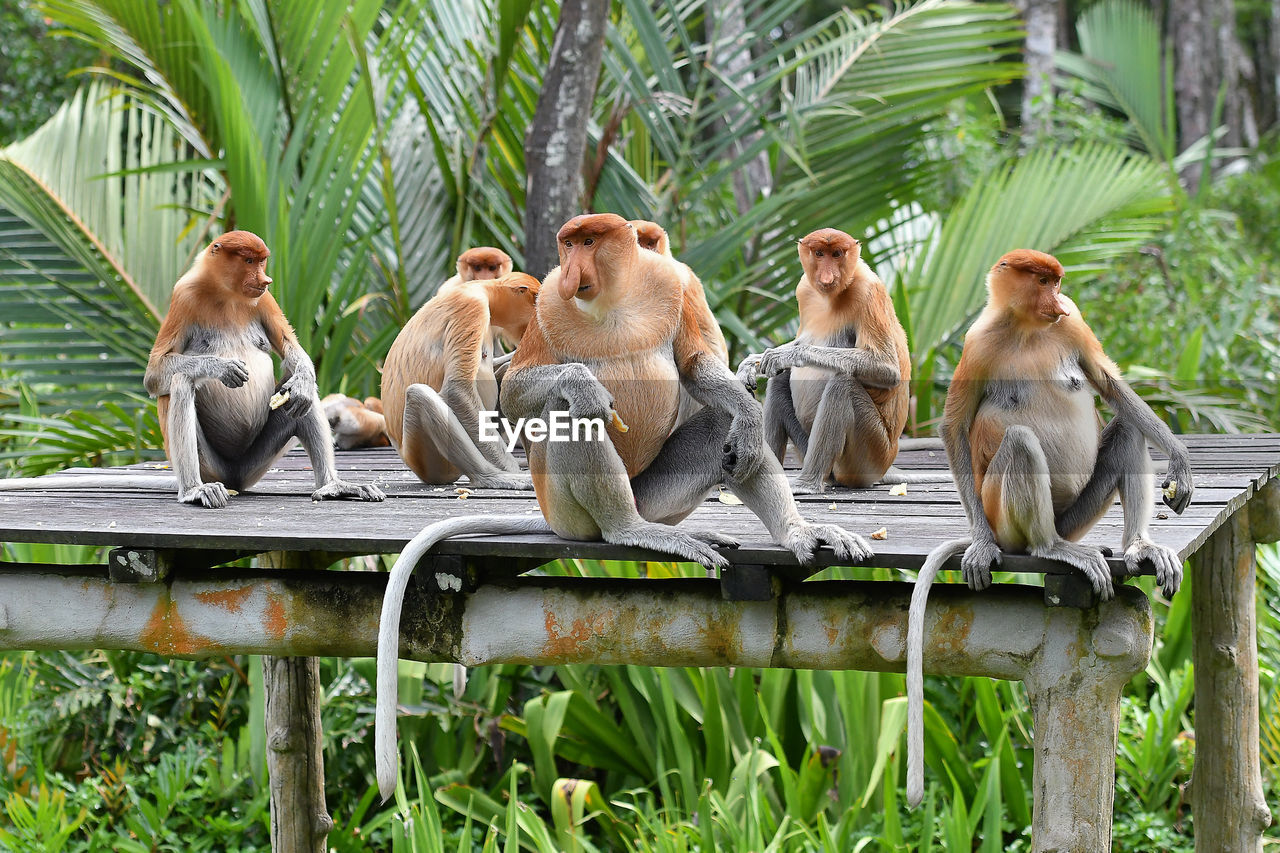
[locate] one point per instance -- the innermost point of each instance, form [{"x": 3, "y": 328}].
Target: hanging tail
[
  {"x": 385, "y": 753},
  {"x": 915, "y": 664}
]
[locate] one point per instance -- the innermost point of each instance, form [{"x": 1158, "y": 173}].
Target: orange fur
[
  {"x": 225, "y": 289},
  {"x": 1014, "y": 340},
  {"x": 839, "y": 294},
  {"x": 448, "y": 341}
]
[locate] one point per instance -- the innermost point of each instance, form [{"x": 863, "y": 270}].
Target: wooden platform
[{"x": 277, "y": 515}]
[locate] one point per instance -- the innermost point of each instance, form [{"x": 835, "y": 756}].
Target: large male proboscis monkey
[
  {"x": 438, "y": 380},
  {"x": 355, "y": 423},
  {"x": 653, "y": 237},
  {"x": 840, "y": 391},
  {"x": 1033, "y": 469},
  {"x": 224, "y": 418},
  {"x": 613, "y": 340}
]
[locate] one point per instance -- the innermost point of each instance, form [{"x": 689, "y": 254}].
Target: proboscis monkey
[
  {"x": 614, "y": 338},
  {"x": 840, "y": 390},
  {"x": 438, "y": 379},
  {"x": 653, "y": 237},
  {"x": 1034, "y": 470},
  {"x": 355, "y": 423},
  {"x": 483, "y": 262},
  {"x": 224, "y": 418}
]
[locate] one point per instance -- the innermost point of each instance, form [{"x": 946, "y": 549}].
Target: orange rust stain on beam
[
  {"x": 571, "y": 643},
  {"x": 277, "y": 623},
  {"x": 230, "y": 600},
  {"x": 952, "y": 631},
  {"x": 166, "y": 633}
]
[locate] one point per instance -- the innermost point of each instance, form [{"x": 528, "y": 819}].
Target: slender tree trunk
[
  {"x": 731, "y": 53},
  {"x": 1207, "y": 53},
  {"x": 1042, "y": 20},
  {"x": 557, "y": 138},
  {"x": 300, "y": 821}
]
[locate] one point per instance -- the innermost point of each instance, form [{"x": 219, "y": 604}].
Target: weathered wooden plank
[{"x": 276, "y": 514}]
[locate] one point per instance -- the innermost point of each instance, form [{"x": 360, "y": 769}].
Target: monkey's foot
[
  {"x": 502, "y": 481},
  {"x": 660, "y": 537},
  {"x": 342, "y": 490},
  {"x": 976, "y": 563},
  {"x": 804, "y": 538},
  {"x": 802, "y": 486},
  {"x": 1168, "y": 566},
  {"x": 1086, "y": 559},
  {"x": 717, "y": 539},
  {"x": 212, "y": 495}
]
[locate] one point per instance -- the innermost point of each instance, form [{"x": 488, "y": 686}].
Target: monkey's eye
[
  {"x": 817, "y": 254},
  {"x": 568, "y": 244},
  {"x": 250, "y": 261},
  {"x": 836, "y": 253},
  {"x": 588, "y": 241},
  {"x": 1044, "y": 279}
]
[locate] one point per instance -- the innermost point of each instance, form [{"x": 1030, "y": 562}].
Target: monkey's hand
[
  {"x": 749, "y": 371},
  {"x": 774, "y": 361},
  {"x": 1167, "y": 565},
  {"x": 977, "y": 561},
  {"x": 1178, "y": 486},
  {"x": 744, "y": 445},
  {"x": 584, "y": 394},
  {"x": 302, "y": 392},
  {"x": 231, "y": 372}
]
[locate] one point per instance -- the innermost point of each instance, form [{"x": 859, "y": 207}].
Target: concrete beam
[{"x": 1075, "y": 662}]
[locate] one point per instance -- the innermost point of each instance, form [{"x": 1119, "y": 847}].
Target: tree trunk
[
  {"x": 557, "y": 138},
  {"x": 1226, "y": 783},
  {"x": 731, "y": 53},
  {"x": 1206, "y": 54},
  {"x": 1043, "y": 24},
  {"x": 300, "y": 821}
]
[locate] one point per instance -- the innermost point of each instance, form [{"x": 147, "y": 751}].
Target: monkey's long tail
[
  {"x": 91, "y": 481},
  {"x": 385, "y": 753},
  {"x": 915, "y": 664}
]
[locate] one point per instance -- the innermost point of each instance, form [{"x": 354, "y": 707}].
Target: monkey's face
[
  {"x": 588, "y": 243},
  {"x": 1030, "y": 284},
  {"x": 515, "y": 303},
  {"x": 828, "y": 257},
  {"x": 241, "y": 260},
  {"x": 483, "y": 262}
]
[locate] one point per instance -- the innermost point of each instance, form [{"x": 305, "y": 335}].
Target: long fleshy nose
[
  {"x": 570, "y": 277},
  {"x": 1060, "y": 306},
  {"x": 265, "y": 279}
]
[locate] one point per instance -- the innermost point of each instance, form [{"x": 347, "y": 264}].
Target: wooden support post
[
  {"x": 300, "y": 819},
  {"x": 1226, "y": 783},
  {"x": 295, "y": 755}
]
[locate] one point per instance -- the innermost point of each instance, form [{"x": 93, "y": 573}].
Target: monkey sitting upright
[
  {"x": 438, "y": 380},
  {"x": 1034, "y": 470},
  {"x": 840, "y": 390},
  {"x": 224, "y": 418},
  {"x": 613, "y": 340}
]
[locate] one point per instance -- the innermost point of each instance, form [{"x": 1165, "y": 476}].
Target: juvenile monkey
[
  {"x": 481, "y": 262},
  {"x": 438, "y": 378},
  {"x": 354, "y": 423},
  {"x": 224, "y": 418},
  {"x": 840, "y": 390},
  {"x": 614, "y": 338},
  {"x": 1033, "y": 469}
]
